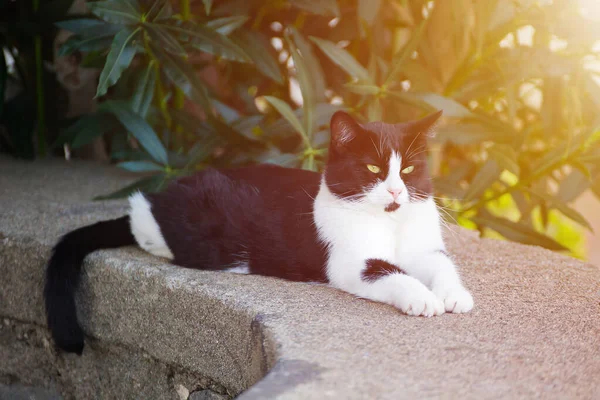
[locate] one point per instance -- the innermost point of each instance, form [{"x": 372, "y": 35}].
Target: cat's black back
[{"x": 259, "y": 216}]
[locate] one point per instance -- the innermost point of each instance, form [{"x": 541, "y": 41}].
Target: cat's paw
[
  {"x": 456, "y": 300},
  {"x": 419, "y": 300}
]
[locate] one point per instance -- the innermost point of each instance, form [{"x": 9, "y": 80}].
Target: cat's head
[{"x": 378, "y": 163}]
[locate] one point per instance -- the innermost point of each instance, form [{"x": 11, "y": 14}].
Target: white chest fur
[{"x": 356, "y": 232}]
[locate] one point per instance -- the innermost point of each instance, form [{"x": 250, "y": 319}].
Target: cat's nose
[{"x": 395, "y": 192}]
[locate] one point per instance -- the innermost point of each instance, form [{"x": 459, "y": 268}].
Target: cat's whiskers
[{"x": 376, "y": 148}]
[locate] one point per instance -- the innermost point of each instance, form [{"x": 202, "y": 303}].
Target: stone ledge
[{"x": 160, "y": 331}]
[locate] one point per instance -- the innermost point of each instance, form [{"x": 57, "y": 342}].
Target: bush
[{"x": 209, "y": 84}]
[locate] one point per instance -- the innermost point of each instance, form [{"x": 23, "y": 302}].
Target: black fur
[
  {"x": 357, "y": 145},
  {"x": 377, "y": 269},
  {"x": 62, "y": 276},
  {"x": 260, "y": 215}
]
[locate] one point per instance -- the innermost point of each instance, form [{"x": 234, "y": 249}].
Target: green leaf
[
  {"x": 144, "y": 91},
  {"x": 409, "y": 99},
  {"x": 87, "y": 129},
  {"x": 140, "y": 166},
  {"x": 208, "y": 40},
  {"x": 306, "y": 86},
  {"x": 276, "y": 157},
  {"x": 401, "y": 59},
  {"x": 450, "y": 107},
  {"x": 506, "y": 157},
  {"x": 343, "y": 59},
  {"x": 309, "y": 163},
  {"x": 286, "y": 111},
  {"x": 116, "y": 11},
  {"x": 164, "y": 38},
  {"x": 3, "y": 79},
  {"x": 367, "y": 10},
  {"x": 138, "y": 127},
  {"x": 87, "y": 26},
  {"x": 573, "y": 186},
  {"x": 227, "y": 25},
  {"x": 262, "y": 54},
  {"x": 365, "y": 90},
  {"x": 160, "y": 10},
  {"x": 320, "y": 7},
  {"x": 311, "y": 64},
  {"x": 582, "y": 168},
  {"x": 518, "y": 232},
  {"x": 207, "y": 6},
  {"x": 86, "y": 44},
  {"x": 146, "y": 185},
  {"x": 485, "y": 177},
  {"x": 183, "y": 75},
  {"x": 118, "y": 59},
  {"x": 555, "y": 203},
  {"x": 374, "y": 110},
  {"x": 469, "y": 133}
]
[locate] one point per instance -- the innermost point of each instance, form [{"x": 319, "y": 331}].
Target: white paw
[
  {"x": 418, "y": 300},
  {"x": 456, "y": 300}
]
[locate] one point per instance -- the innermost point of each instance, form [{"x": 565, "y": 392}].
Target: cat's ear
[
  {"x": 343, "y": 129},
  {"x": 425, "y": 126}
]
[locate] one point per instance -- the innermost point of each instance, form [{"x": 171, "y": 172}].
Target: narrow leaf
[
  {"x": 518, "y": 232},
  {"x": 469, "y": 133},
  {"x": 140, "y": 166},
  {"x": 343, "y": 59},
  {"x": 138, "y": 127},
  {"x": 362, "y": 89},
  {"x": 401, "y": 59},
  {"x": 321, "y": 7},
  {"x": 208, "y": 40},
  {"x": 83, "y": 26},
  {"x": 367, "y": 10},
  {"x": 450, "y": 107},
  {"x": 506, "y": 157},
  {"x": 183, "y": 75},
  {"x": 555, "y": 203},
  {"x": 227, "y": 25},
  {"x": 144, "y": 91},
  {"x": 311, "y": 63},
  {"x": 258, "y": 48},
  {"x": 306, "y": 86},
  {"x": 161, "y": 36},
  {"x": 118, "y": 59},
  {"x": 286, "y": 111},
  {"x": 146, "y": 185},
  {"x": 485, "y": 177},
  {"x": 85, "y": 44},
  {"x": 207, "y": 6},
  {"x": 116, "y": 11},
  {"x": 87, "y": 129},
  {"x": 573, "y": 186},
  {"x": 160, "y": 11}
]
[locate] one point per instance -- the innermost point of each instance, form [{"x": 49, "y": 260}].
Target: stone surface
[
  {"x": 534, "y": 331},
  {"x": 206, "y": 395},
  {"x": 18, "y": 392}
]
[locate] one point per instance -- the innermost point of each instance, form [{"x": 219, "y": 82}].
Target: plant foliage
[{"x": 191, "y": 85}]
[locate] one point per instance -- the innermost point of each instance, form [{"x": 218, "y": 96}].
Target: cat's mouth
[{"x": 392, "y": 207}]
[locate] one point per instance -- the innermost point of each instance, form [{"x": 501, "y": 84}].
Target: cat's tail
[{"x": 63, "y": 272}]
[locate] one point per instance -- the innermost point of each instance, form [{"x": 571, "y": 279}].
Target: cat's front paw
[
  {"x": 419, "y": 300},
  {"x": 456, "y": 300}
]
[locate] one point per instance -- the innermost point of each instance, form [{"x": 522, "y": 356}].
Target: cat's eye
[
  {"x": 408, "y": 170},
  {"x": 374, "y": 168}
]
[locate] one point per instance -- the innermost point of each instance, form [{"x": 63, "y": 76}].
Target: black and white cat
[{"x": 368, "y": 225}]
